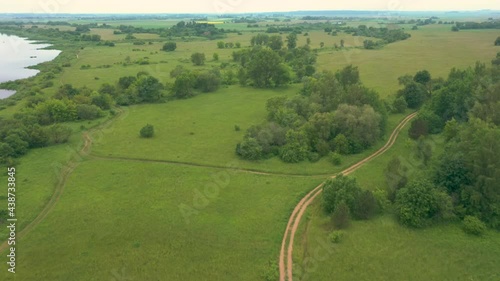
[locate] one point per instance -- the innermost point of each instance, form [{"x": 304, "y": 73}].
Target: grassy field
[
  {"x": 381, "y": 249},
  {"x": 127, "y": 216},
  {"x": 201, "y": 130},
  {"x": 121, "y": 219},
  {"x": 433, "y": 47}
]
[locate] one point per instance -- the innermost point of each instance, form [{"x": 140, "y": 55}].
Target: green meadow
[
  {"x": 183, "y": 204},
  {"x": 382, "y": 249},
  {"x": 149, "y": 221}
]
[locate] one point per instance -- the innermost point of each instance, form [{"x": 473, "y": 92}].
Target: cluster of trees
[
  {"x": 192, "y": 28},
  {"x": 478, "y": 25},
  {"x": 462, "y": 182},
  {"x": 268, "y": 64},
  {"x": 344, "y": 199},
  {"x": 228, "y": 45},
  {"x": 91, "y": 37},
  {"x": 384, "y": 33},
  {"x": 18, "y": 136},
  {"x": 335, "y": 113},
  {"x": 188, "y": 83}
]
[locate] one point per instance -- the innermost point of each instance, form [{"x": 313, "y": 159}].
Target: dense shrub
[
  {"x": 336, "y": 236},
  {"x": 341, "y": 189},
  {"x": 169, "y": 46},
  {"x": 147, "y": 131},
  {"x": 341, "y": 217},
  {"x": 88, "y": 112},
  {"x": 473, "y": 225}
]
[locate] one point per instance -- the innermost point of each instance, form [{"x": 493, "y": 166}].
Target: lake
[{"x": 16, "y": 54}]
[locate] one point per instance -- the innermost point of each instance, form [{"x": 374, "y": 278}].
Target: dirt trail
[
  {"x": 286, "y": 257},
  {"x": 63, "y": 176}
]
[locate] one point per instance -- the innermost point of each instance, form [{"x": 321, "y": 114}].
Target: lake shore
[{"x": 19, "y": 55}]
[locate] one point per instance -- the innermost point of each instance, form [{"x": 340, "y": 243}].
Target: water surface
[{"x": 16, "y": 54}]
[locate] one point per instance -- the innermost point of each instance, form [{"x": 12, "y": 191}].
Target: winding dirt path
[
  {"x": 286, "y": 253},
  {"x": 63, "y": 176}
]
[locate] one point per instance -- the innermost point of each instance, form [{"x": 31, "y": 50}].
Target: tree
[
  {"x": 366, "y": 205},
  {"x": 395, "y": 177},
  {"x": 414, "y": 94},
  {"x": 88, "y": 112},
  {"x": 266, "y": 69},
  {"x": 399, "y": 105},
  {"x": 208, "y": 81},
  {"x": 340, "y": 144},
  {"x": 423, "y": 77},
  {"x": 341, "y": 216},
  {"x": 275, "y": 42},
  {"x": 169, "y": 46},
  {"x": 147, "y": 131},
  {"x": 216, "y": 57},
  {"x": 349, "y": 75},
  {"x": 291, "y": 40},
  {"x": 342, "y": 43},
  {"x": 308, "y": 41},
  {"x": 322, "y": 44},
  {"x": 18, "y": 145},
  {"x": 455, "y": 28},
  {"x": 418, "y": 128},
  {"x": 416, "y": 203},
  {"x": 184, "y": 86},
  {"x": 340, "y": 189},
  {"x": 58, "y": 134},
  {"x": 148, "y": 89},
  {"x": 497, "y": 41},
  {"x": 249, "y": 149},
  {"x": 198, "y": 58},
  {"x": 221, "y": 45},
  {"x": 296, "y": 148}
]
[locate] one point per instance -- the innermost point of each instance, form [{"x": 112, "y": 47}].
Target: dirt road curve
[{"x": 286, "y": 257}]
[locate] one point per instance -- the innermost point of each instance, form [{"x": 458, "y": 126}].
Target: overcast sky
[{"x": 235, "y": 6}]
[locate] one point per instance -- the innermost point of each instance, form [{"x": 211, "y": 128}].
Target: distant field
[
  {"x": 125, "y": 221},
  {"x": 434, "y": 48}
]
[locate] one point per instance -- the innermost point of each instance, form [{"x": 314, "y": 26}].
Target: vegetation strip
[{"x": 298, "y": 212}]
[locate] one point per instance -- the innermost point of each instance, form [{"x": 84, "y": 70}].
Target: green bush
[
  {"x": 473, "y": 225},
  {"x": 147, "y": 131},
  {"x": 341, "y": 216},
  {"x": 335, "y": 158},
  {"x": 313, "y": 157},
  {"x": 336, "y": 236}
]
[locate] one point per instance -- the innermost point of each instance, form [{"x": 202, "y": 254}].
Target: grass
[
  {"x": 127, "y": 216},
  {"x": 201, "y": 131},
  {"x": 381, "y": 249},
  {"x": 121, "y": 218},
  {"x": 433, "y": 47}
]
